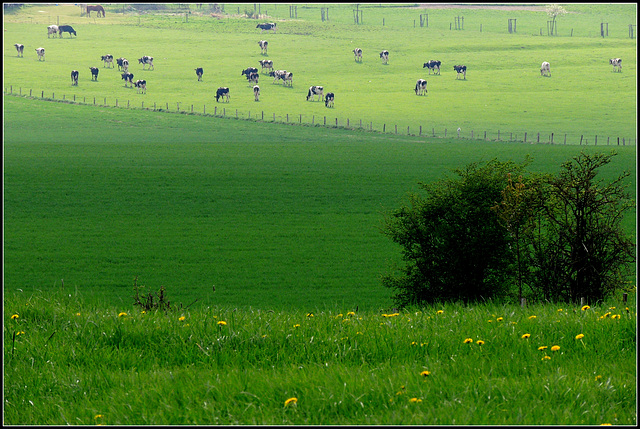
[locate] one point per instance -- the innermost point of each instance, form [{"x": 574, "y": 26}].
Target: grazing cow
[
  {"x": 66, "y": 29},
  {"x": 288, "y": 77},
  {"x": 146, "y": 60},
  {"x": 20, "y": 49},
  {"x": 94, "y": 73},
  {"x": 266, "y": 64},
  {"x": 315, "y": 90},
  {"x": 328, "y": 100},
  {"x": 52, "y": 29},
  {"x": 123, "y": 64},
  {"x": 74, "y": 77},
  {"x": 433, "y": 65},
  {"x": 267, "y": 26},
  {"x": 97, "y": 8},
  {"x": 421, "y": 87},
  {"x": 616, "y": 63},
  {"x": 141, "y": 85},
  {"x": 222, "y": 92},
  {"x": 40, "y": 52},
  {"x": 199, "y": 73},
  {"x": 357, "y": 53},
  {"x": 107, "y": 60},
  {"x": 263, "y": 46},
  {"x": 545, "y": 69},
  {"x": 385, "y": 57},
  {"x": 256, "y": 92},
  {"x": 253, "y": 77},
  {"x": 248, "y": 71},
  {"x": 277, "y": 74},
  {"x": 127, "y": 77},
  {"x": 460, "y": 70}
]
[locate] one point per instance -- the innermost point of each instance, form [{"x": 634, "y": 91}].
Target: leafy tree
[
  {"x": 554, "y": 10},
  {"x": 579, "y": 248},
  {"x": 454, "y": 246}
]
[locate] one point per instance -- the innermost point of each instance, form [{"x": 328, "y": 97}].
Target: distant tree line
[{"x": 496, "y": 232}]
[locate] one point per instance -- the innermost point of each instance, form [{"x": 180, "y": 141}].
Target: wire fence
[{"x": 224, "y": 111}]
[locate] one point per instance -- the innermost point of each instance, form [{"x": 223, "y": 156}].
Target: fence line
[{"x": 540, "y": 138}]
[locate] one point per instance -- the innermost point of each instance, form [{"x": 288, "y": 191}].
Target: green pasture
[
  {"x": 273, "y": 215},
  {"x": 503, "y": 92}
]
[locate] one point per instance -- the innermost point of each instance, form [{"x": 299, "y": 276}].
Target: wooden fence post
[
  {"x": 525, "y": 137},
  {"x": 581, "y": 140},
  {"x": 538, "y": 137},
  {"x": 420, "y": 132},
  {"x": 596, "y": 142},
  {"x": 551, "y": 138}
]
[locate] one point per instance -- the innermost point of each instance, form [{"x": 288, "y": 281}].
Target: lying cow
[
  {"x": 199, "y": 73},
  {"x": 222, "y": 92},
  {"x": 315, "y": 90},
  {"x": 74, "y": 77},
  {"x": 94, "y": 73},
  {"x": 20, "y": 49},
  {"x": 460, "y": 70}
]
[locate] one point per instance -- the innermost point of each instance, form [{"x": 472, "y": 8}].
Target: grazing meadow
[{"x": 264, "y": 231}]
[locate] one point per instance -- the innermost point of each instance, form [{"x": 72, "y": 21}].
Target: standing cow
[
  {"x": 127, "y": 77},
  {"x": 20, "y": 49},
  {"x": 66, "y": 29},
  {"x": 266, "y": 64},
  {"x": 385, "y": 57},
  {"x": 256, "y": 92},
  {"x": 315, "y": 90},
  {"x": 433, "y": 65},
  {"x": 222, "y": 92},
  {"x": 146, "y": 60},
  {"x": 199, "y": 73},
  {"x": 263, "y": 46},
  {"x": 141, "y": 86},
  {"x": 74, "y": 77},
  {"x": 40, "y": 52},
  {"x": 421, "y": 87},
  {"x": 52, "y": 29},
  {"x": 267, "y": 26},
  {"x": 460, "y": 70},
  {"x": 328, "y": 100},
  {"x": 107, "y": 60},
  {"x": 94, "y": 73},
  {"x": 357, "y": 53},
  {"x": 545, "y": 69},
  {"x": 616, "y": 63}
]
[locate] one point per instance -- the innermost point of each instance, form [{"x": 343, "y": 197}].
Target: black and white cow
[
  {"x": 256, "y": 92},
  {"x": 266, "y": 64},
  {"x": 141, "y": 85},
  {"x": 263, "y": 46},
  {"x": 545, "y": 69},
  {"x": 315, "y": 90},
  {"x": 267, "y": 26},
  {"x": 127, "y": 77},
  {"x": 20, "y": 49},
  {"x": 199, "y": 73},
  {"x": 385, "y": 57},
  {"x": 123, "y": 64},
  {"x": 222, "y": 92},
  {"x": 421, "y": 87},
  {"x": 107, "y": 60},
  {"x": 288, "y": 77},
  {"x": 52, "y": 29},
  {"x": 253, "y": 77},
  {"x": 40, "y": 52},
  {"x": 74, "y": 77},
  {"x": 146, "y": 60},
  {"x": 357, "y": 53},
  {"x": 616, "y": 63},
  {"x": 94, "y": 73},
  {"x": 433, "y": 65},
  {"x": 66, "y": 29},
  {"x": 460, "y": 70},
  {"x": 277, "y": 74},
  {"x": 328, "y": 100},
  {"x": 248, "y": 71}
]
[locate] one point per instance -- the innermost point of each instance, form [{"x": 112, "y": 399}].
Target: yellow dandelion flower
[
  {"x": 615, "y": 316},
  {"x": 77, "y": 314},
  {"x": 394, "y": 315},
  {"x": 532, "y": 317},
  {"x": 415, "y": 400},
  {"x": 290, "y": 401},
  {"x": 181, "y": 318},
  {"x": 359, "y": 333},
  {"x": 468, "y": 340},
  {"x": 499, "y": 319},
  {"x": 559, "y": 310},
  {"x": 598, "y": 377},
  {"x": 297, "y": 325},
  {"x": 546, "y": 358},
  {"x": 579, "y": 336},
  {"x": 525, "y": 336},
  {"x": 143, "y": 312},
  {"x": 425, "y": 373},
  {"x": 351, "y": 313},
  {"x": 15, "y": 316},
  {"x": 480, "y": 342},
  {"x": 542, "y": 347},
  {"x": 309, "y": 314},
  {"x": 627, "y": 309},
  {"x": 555, "y": 348},
  {"x": 339, "y": 315},
  {"x": 513, "y": 323},
  {"x": 20, "y": 333},
  {"x": 98, "y": 416},
  {"x": 122, "y": 314},
  {"x": 222, "y": 323},
  {"x": 585, "y": 308},
  {"x": 439, "y": 312},
  {"x": 606, "y": 314},
  {"x": 612, "y": 308},
  {"x": 413, "y": 343},
  {"x": 490, "y": 321}
]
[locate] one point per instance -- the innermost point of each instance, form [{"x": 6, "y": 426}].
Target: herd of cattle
[{"x": 252, "y": 74}]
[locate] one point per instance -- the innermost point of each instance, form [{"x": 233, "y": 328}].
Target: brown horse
[{"x": 96, "y": 8}]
